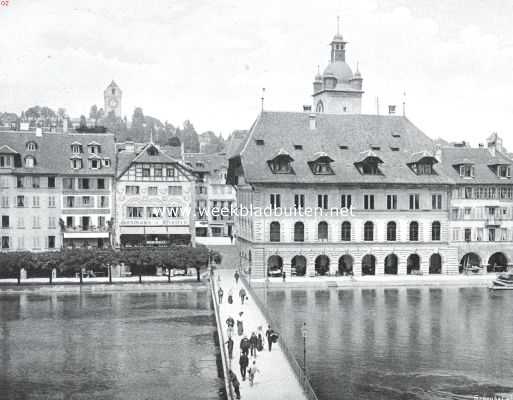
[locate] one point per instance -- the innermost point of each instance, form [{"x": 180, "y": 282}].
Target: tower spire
[{"x": 338, "y": 24}]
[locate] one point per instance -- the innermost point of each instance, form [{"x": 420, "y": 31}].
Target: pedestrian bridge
[{"x": 279, "y": 377}]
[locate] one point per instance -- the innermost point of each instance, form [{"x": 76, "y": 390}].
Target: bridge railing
[
  {"x": 298, "y": 370},
  {"x": 224, "y": 356}
]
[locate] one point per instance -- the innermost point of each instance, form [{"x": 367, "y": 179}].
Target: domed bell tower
[{"x": 338, "y": 90}]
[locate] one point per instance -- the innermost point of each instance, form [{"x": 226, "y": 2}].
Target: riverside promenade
[{"x": 276, "y": 379}]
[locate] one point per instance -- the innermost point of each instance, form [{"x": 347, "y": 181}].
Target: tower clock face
[{"x": 113, "y": 103}]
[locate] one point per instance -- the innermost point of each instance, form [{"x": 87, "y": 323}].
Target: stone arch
[
  {"x": 345, "y": 265},
  {"x": 413, "y": 264},
  {"x": 369, "y": 265},
  {"x": 322, "y": 264},
  {"x": 497, "y": 262},
  {"x": 274, "y": 265},
  {"x": 470, "y": 260},
  {"x": 391, "y": 264},
  {"x": 435, "y": 264},
  {"x": 298, "y": 265}
]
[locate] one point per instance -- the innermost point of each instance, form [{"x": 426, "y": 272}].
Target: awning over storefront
[{"x": 154, "y": 230}]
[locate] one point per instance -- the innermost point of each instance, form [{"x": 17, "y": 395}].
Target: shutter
[{"x": 472, "y": 171}]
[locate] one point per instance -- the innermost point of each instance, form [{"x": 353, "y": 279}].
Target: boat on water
[{"x": 503, "y": 282}]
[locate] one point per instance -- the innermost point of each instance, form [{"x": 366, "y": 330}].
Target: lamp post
[{"x": 304, "y": 332}]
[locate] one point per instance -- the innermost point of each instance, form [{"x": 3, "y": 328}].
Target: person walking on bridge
[
  {"x": 253, "y": 343},
  {"x": 245, "y": 345},
  {"x": 242, "y": 295},
  {"x": 268, "y": 334},
  {"x": 230, "y": 347},
  {"x": 243, "y": 362},
  {"x": 251, "y": 372},
  {"x": 235, "y": 383},
  {"x": 220, "y": 294},
  {"x": 236, "y": 276}
]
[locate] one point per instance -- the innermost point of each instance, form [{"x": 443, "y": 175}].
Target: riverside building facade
[
  {"x": 213, "y": 194},
  {"x": 401, "y": 191},
  {"x": 50, "y": 191},
  {"x": 481, "y": 207},
  {"x": 153, "y": 196}
]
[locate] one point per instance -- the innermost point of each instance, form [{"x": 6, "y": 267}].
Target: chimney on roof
[
  {"x": 307, "y": 108},
  {"x": 312, "y": 121},
  {"x": 494, "y": 143},
  {"x": 438, "y": 152}
]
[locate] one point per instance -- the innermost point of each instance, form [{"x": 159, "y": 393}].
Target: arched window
[
  {"x": 346, "y": 231},
  {"x": 368, "y": 231},
  {"x": 435, "y": 230},
  {"x": 320, "y": 107},
  {"x": 414, "y": 231},
  {"x": 322, "y": 230},
  {"x": 274, "y": 232},
  {"x": 299, "y": 232},
  {"x": 391, "y": 231},
  {"x": 30, "y": 162}
]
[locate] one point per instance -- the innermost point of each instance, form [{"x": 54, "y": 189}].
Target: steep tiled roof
[
  {"x": 480, "y": 158},
  {"x": 210, "y": 162},
  {"x": 53, "y": 152},
  {"x": 166, "y": 155},
  {"x": 346, "y": 138}
]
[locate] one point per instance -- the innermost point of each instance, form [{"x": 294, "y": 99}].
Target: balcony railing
[{"x": 90, "y": 228}]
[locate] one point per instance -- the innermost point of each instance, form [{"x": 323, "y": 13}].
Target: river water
[
  {"x": 403, "y": 343},
  {"x": 147, "y": 345}
]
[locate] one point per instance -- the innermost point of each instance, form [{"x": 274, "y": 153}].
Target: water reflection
[
  {"x": 401, "y": 343},
  {"x": 118, "y": 346}
]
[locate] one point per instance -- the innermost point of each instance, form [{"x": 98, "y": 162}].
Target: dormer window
[
  {"x": 106, "y": 162},
  {"x": 94, "y": 148},
  {"x": 31, "y": 146},
  {"x": 280, "y": 164},
  {"x": 321, "y": 165},
  {"x": 95, "y": 163},
  {"x": 501, "y": 170},
  {"x": 76, "y": 148},
  {"x": 422, "y": 163},
  {"x": 152, "y": 151},
  {"x": 467, "y": 171},
  {"x": 76, "y": 163},
  {"x": 30, "y": 162},
  {"x": 368, "y": 164}
]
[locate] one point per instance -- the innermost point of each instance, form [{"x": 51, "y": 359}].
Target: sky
[{"x": 207, "y": 61}]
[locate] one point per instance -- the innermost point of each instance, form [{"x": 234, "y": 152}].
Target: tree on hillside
[
  {"x": 83, "y": 122},
  {"x": 96, "y": 114},
  {"x": 136, "y": 131},
  {"x": 189, "y": 137},
  {"x": 115, "y": 124}
]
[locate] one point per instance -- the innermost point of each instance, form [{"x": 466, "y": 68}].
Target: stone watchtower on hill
[
  {"x": 338, "y": 90},
  {"x": 112, "y": 96}
]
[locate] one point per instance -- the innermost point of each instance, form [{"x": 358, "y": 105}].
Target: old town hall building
[{"x": 336, "y": 192}]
